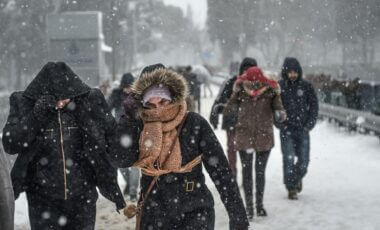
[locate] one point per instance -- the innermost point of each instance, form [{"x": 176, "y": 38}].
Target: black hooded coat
[
  {"x": 70, "y": 143},
  {"x": 299, "y": 99}
]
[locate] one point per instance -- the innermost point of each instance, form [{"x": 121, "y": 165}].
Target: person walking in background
[
  {"x": 230, "y": 114},
  {"x": 7, "y": 200},
  {"x": 194, "y": 88},
  {"x": 115, "y": 102},
  {"x": 258, "y": 99},
  {"x": 204, "y": 77},
  {"x": 301, "y": 106},
  {"x": 61, "y": 130},
  {"x": 170, "y": 145}
]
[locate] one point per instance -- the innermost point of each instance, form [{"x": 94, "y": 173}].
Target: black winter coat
[
  {"x": 300, "y": 103},
  {"x": 224, "y": 95},
  {"x": 115, "y": 101},
  {"x": 169, "y": 197},
  {"x": 82, "y": 130}
]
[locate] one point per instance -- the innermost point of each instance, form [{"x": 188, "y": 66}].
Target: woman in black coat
[{"x": 179, "y": 198}]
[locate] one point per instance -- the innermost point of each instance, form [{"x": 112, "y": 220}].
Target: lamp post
[
  {"x": 132, "y": 7},
  {"x": 113, "y": 25}
]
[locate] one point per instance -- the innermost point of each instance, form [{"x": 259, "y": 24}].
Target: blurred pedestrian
[
  {"x": 115, "y": 101},
  {"x": 194, "y": 87},
  {"x": 7, "y": 200},
  {"x": 204, "y": 78}
]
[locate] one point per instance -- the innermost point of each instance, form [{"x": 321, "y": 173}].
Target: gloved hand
[
  {"x": 131, "y": 105},
  {"x": 218, "y": 108},
  {"x": 237, "y": 87},
  {"x": 44, "y": 105},
  {"x": 280, "y": 116}
]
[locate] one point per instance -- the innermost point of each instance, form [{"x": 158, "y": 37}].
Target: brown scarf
[{"x": 158, "y": 136}]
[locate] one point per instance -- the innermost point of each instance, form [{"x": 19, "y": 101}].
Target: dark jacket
[
  {"x": 299, "y": 99},
  {"x": 220, "y": 102},
  {"x": 229, "y": 119},
  {"x": 115, "y": 100},
  {"x": 81, "y": 130},
  {"x": 169, "y": 197}
]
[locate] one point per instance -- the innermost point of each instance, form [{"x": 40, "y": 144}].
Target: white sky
[{"x": 199, "y": 9}]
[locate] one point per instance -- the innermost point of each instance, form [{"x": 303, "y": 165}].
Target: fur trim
[{"x": 175, "y": 82}]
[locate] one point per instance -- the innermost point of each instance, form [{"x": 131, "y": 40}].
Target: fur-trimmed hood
[{"x": 175, "y": 82}]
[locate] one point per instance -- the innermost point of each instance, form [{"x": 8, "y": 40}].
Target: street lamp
[{"x": 132, "y": 7}]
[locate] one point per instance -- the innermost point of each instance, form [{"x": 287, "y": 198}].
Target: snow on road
[{"x": 341, "y": 189}]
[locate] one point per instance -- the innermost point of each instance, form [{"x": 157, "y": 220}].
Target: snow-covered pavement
[{"x": 341, "y": 189}]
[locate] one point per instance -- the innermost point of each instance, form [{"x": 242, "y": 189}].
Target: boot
[
  {"x": 292, "y": 195},
  {"x": 261, "y": 211},
  {"x": 250, "y": 212},
  {"x": 249, "y": 207},
  {"x": 259, "y": 204},
  {"x": 299, "y": 186}
]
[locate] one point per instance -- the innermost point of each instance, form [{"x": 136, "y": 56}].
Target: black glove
[
  {"x": 214, "y": 117},
  {"x": 218, "y": 108},
  {"x": 43, "y": 106},
  {"x": 131, "y": 105}
]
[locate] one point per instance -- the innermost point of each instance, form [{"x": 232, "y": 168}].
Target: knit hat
[
  {"x": 157, "y": 91},
  {"x": 246, "y": 63},
  {"x": 126, "y": 80}
]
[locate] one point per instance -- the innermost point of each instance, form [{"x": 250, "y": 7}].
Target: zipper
[{"x": 63, "y": 153}]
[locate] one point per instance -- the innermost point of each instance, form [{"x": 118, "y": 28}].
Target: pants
[
  {"x": 206, "y": 86},
  {"x": 260, "y": 166},
  {"x": 295, "y": 147},
  {"x": 75, "y": 214},
  {"x": 200, "y": 219},
  {"x": 132, "y": 177},
  {"x": 231, "y": 150}
]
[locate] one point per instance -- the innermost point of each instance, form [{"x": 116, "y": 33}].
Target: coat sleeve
[
  {"x": 220, "y": 102},
  {"x": 216, "y": 164},
  {"x": 277, "y": 103},
  {"x": 121, "y": 139},
  {"x": 313, "y": 108},
  {"x": 21, "y": 128},
  {"x": 125, "y": 146}
]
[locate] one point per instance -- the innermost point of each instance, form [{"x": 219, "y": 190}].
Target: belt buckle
[{"x": 189, "y": 186}]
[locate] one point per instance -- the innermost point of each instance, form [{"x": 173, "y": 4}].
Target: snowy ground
[{"x": 341, "y": 190}]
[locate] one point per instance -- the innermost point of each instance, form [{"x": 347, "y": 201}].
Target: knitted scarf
[
  {"x": 158, "y": 136},
  {"x": 255, "y": 83}
]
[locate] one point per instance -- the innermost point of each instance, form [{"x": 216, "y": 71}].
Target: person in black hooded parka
[
  {"x": 172, "y": 144},
  {"x": 301, "y": 106},
  {"x": 60, "y": 129}
]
